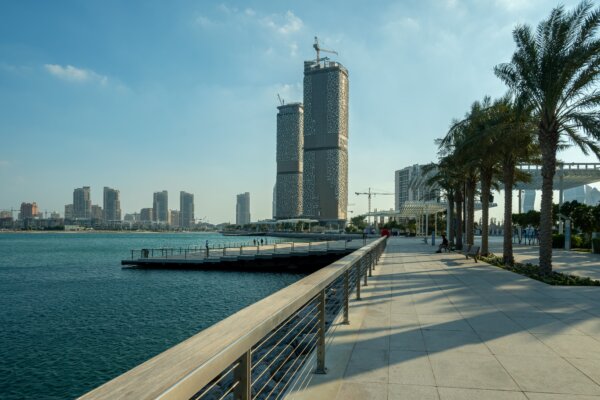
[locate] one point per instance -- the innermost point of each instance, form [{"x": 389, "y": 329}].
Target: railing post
[
  {"x": 292, "y": 247},
  {"x": 346, "y": 297},
  {"x": 224, "y": 250},
  {"x": 365, "y": 263},
  {"x": 242, "y": 375},
  {"x": 370, "y": 265},
  {"x": 321, "y": 338},
  {"x": 241, "y": 250},
  {"x": 358, "y": 280},
  {"x": 132, "y": 254},
  {"x": 327, "y": 245}
]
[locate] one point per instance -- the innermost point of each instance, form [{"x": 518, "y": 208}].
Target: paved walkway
[{"x": 435, "y": 326}]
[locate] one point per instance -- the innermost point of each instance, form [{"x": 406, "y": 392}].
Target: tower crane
[
  {"x": 319, "y": 49},
  {"x": 369, "y": 194},
  {"x": 281, "y": 101}
]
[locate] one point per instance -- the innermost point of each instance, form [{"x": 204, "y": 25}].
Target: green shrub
[
  {"x": 558, "y": 241},
  {"x": 533, "y": 271},
  {"x": 596, "y": 245},
  {"x": 576, "y": 242}
]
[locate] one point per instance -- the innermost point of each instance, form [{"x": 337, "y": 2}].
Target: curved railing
[{"x": 258, "y": 352}]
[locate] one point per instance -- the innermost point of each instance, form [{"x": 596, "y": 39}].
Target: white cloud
[
  {"x": 73, "y": 74},
  {"x": 284, "y": 24},
  {"x": 250, "y": 12},
  {"x": 204, "y": 21},
  {"x": 516, "y": 5}
]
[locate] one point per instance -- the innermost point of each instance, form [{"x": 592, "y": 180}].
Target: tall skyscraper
[
  {"x": 242, "y": 209},
  {"x": 160, "y": 207},
  {"x": 528, "y": 200},
  {"x": 186, "y": 209},
  {"x": 112, "y": 204},
  {"x": 82, "y": 203},
  {"x": 325, "y": 163},
  {"x": 290, "y": 143}
]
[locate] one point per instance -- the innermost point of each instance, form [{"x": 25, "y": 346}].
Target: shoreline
[{"x": 107, "y": 231}]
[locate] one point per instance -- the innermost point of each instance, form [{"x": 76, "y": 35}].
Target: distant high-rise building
[
  {"x": 160, "y": 207},
  {"x": 146, "y": 215},
  {"x": 112, "y": 205},
  {"x": 97, "y": 213},
  {"x": 242, "y": 209},
  {"x": 54, "y": 215},
  {"x": 325, "y": 160},
  {"x": 186, "y": 209},
  {"x": 411, "y": 185},
  {"x": 528, "y": 200},
  {"x": 69, "y": 214},
  {"x": 82, "y": 203},
  {"x": 274, "y": 203},
  {"x": 28, "y": 210},
  {"x": 133, "y": 217},
  {"x": 583, "y": 194},
  {"x": 290, "y": 153},
  {"x": 174, "y": 218}
]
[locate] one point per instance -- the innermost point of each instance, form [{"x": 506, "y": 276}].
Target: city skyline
[{"x": 415, "y": 66}]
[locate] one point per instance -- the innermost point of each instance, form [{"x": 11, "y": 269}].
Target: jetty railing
[
  {"x": 260, "y": 351},
  {"x": 238, "y": 249}
]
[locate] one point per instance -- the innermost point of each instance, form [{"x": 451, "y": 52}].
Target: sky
[{"x": 144, "y": 96}]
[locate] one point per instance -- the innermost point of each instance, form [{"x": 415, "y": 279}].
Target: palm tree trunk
[
  {"x": 486, "y": 182},
  {"x": 450, "y": 218},
  {"x": 470, "y": 217},
  {"x": 508, "y": 175},
  {"x": 548, "y": 144},
  {"x": 459, "y": 206}
]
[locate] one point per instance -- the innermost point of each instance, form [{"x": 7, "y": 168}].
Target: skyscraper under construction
[{"x": 325, "y": 164}]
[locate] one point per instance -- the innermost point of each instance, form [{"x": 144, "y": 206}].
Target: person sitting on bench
[{"x": 443, "y": 245}]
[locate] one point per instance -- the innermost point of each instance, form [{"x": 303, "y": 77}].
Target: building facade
[
  {"x": 82, "y": 203},
  {"x": 242, "y": 209},
  {"x": 160, "y": 207},
  {"x": 186, "y": 209},
  {"x": 411, "y": 185},
  {"x": 112, "y": 204},
  {"x": 28, "y": 210},
  {"x": 146, "y": 215},
  {"x": 583, "y": 194},
  {"x": 325, "y": 159},
  {"x": 290, "y": 155}
]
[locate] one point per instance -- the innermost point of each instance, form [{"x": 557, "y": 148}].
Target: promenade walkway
[{"x": 436, "y": 326}]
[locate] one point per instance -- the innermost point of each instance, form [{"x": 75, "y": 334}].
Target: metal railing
[
  {"x": 258, "y": 352},
  {"x": 275, "y": 246}
]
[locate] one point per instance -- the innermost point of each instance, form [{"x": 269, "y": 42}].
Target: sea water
[{"x": 71, "y": 318}]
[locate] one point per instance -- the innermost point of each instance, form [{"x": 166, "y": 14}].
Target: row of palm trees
[{"x": 552, "y": 102}]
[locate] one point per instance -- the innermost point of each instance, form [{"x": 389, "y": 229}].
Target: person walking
[{"x": 206, "y": 248}]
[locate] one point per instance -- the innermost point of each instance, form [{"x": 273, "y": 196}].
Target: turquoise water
[{"x": 71, "y": 318}]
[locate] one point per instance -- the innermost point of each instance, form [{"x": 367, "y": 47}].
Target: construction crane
[
  {"x": 281, "y": 101},
  {"x": 12, "y": 211},
  {"x": 319, "y": 49},
  {"x": 369, "y": 194}
]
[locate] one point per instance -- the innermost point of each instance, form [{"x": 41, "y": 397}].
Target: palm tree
[
  {"x": 554, "y": 70},
  {"x": 513, "y": 133}
]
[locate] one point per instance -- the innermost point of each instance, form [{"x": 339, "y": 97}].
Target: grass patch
[{"x": 533, "y": 272}]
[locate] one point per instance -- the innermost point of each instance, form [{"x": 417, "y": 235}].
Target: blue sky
[{"x": 145, "y": 96}]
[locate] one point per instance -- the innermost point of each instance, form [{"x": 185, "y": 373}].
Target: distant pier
[{"x": 289, "y": 256}]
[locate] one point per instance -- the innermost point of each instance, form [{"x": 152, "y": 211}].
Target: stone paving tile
[
  {"x": 478, "y": 394},
  {"x": 362, "y": 391},
  {"x": 572, "y": 346},
  {"x": 411, "y": 392},
  {"x": 548, "y": 374},
  {"x": 466, "y": 370},
  {"x": 554, "y": 396},
  {"x": 368, "y": 365},
  {"x": 520, "y": 343},
  {"x": 410, "y": 367},
  {"x": 589, "y": 367},
  {"x": 459, "y": 341}
]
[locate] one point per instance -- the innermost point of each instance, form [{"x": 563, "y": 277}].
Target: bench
[{"x": 472, "y": 251}]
